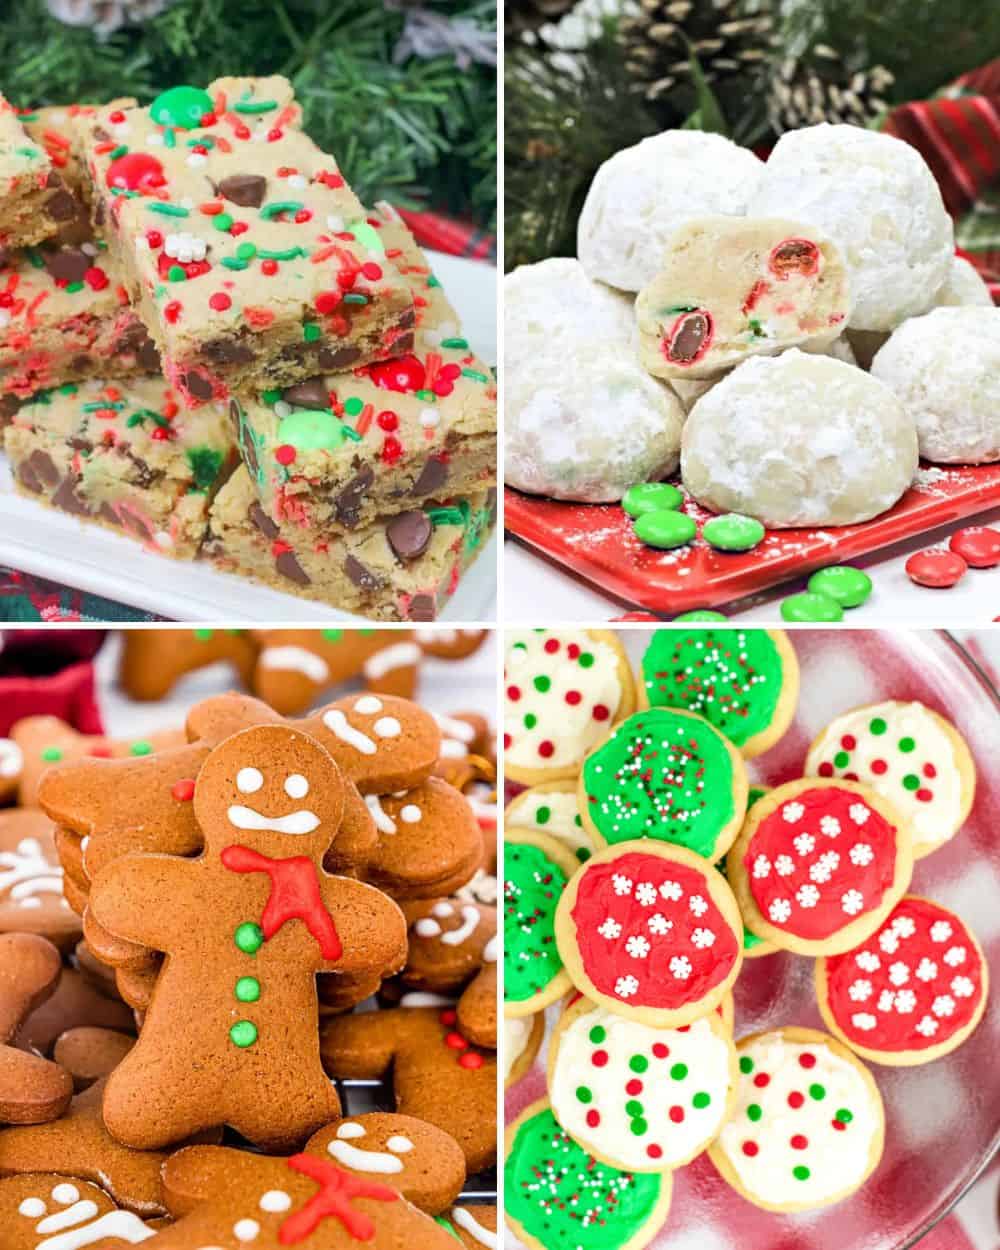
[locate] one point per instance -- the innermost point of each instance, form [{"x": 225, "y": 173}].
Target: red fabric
[
  {"x": 447, "y": 234},
  {"x": 295, "y": 895},
  {"x": 68, "y": 694}
]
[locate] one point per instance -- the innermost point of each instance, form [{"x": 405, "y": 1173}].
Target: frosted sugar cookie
[
  {"x": 535, "y": 872},
  {"x": 745, "y": 682},
  {"x": 808, "y": 1126},
  {"x": 875, "y": 195},
  {"x": 912, "y": 992},
  {"x": 642, "y": 194},
  {"x": 557, "y": 1197},
  {"x": 753, "y": 946},
  {"x": 668, "y": 776},
  {"x": 650, "y": 932},
  {"x": 563, "y": 689},
  {"x": 552, "y": 808},
  {"x": 799, "y": 439},
  {"x": 911, "y": 755},
  {"x": 732, "y": 287},
  {"x": 522, "y": 1039},
  {"x": 819, "y": 865},
  {"x": 640, "y": 1098}
]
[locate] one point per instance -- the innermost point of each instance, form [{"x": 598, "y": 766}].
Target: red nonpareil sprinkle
[
  {"x": 392, "y": 450},
  {"x": 448, "y": 1017},
  {"x": 117, "y": 116},
  {"x": 546, "y": 749},
  {"x": 258, "y": 318},
  {"x": 208, "y": 119},
  {"x": 456, "y": 1041},
  {"x": 327, "y": 301},
  {"x": 285, "y": 454},
  {"x": 239, "y": 227},
  {"x": 573, "y": 697},
  {"x": 220, "y": 301},
  {"x": 269, "y": 267},
  {"x": 470, "y": 1060},
  {"x": 172, "y": 311},
  {"x": 154, "y": 238},
  {"x": 371, "y": 271},
  {"x": 387, "y": 420},
  {"x": 331, "y": 180},
  {"x": 170, "y": 409},
  {"x": 162, "y": 434},
  {"x": 183, "y": 791}
]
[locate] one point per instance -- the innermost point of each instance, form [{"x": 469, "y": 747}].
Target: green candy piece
[
  {"x": 811, "y": 607},
  {"x": 651, "y": 497},
  {"x": 665, "y": 529},
  {"x": 311, "y": 429},
  {"x": 532, "y": 887},
  {"x": 243, "y": 1034},
  {"x": 181, "y": 106},
  {"x": 848, "y": 586},
  {"x": 701, "y": 614},
  {"x": 367, "y": 236},
  {"x": 733, "y": 532},
  {"x": 249, "y": 937},
  {"x": 247, "y": 989}
]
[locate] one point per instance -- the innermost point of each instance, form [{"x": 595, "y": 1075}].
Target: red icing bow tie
[
  {"x": 337, "y": 1190},
  {"x": 295, "y": 895}
]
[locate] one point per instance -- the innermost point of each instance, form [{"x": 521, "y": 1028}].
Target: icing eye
[
  {"x": 388, "y": 727},
  {"x": 411, "y": 813},
  {"x": 275, "y": 1200},
  {"x": 443, "y": 909},
  {"x": 296, "y": 786},
  {"x": 246, "y": 1230},
  {"x": 32, "y": 1208},
  {"x": 66, "y": 1194},
  {"x": 368, "y": 705},
  {"x": 399, "y": 1145},
  {"x": 350, "y": 1130},
  {"x": 249, "y": 780}
]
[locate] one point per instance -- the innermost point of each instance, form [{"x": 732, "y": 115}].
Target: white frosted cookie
[
  {"x": 643, "y": 193},
  {"x": 808, "y": 1126},
  {"x": 733, "y": 287},
  {"x": 522, "y": 1037},
  {"x": 563, "y": 690},
  {"x": 963, "y": 288},
  {"x": 945, "y": 369},
  {"x": 552, "y": 808},
  {"x": 911, "y": 756},
  {"x": 875, "y": 195},
  {"x": 798, "y": 439},
  {"x": 640, "y": 1098}
]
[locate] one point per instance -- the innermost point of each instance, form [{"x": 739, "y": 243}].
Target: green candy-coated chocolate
[
  {"x": 849, "y": 586},
  {"x": 701, "y": 614},
  {"x": 651, "y": 497},
  {"x": 665, "y": 528},
  {"x": 810, "y": 606},
  {"x": 733, "y": 532},
  {"x": 309, "y": 429},
  {"x": 181, "y": 106}
]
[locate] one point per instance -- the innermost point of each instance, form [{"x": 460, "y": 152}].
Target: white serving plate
[{"x": 52, "y": 544}]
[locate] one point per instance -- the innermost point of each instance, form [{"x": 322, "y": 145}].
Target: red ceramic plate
[{"x": 596, "y": 542}]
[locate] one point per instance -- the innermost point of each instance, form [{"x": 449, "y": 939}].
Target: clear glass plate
[{"x": 942, "y": 1119}]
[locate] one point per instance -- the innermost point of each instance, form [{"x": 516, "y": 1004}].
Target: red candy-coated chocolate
[
  {"x": 978, "y": 545},
  {"x": 938, "y": 569},
  {"x": 648, "y": 617}
]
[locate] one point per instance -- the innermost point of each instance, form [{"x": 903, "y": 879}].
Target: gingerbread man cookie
[
  {"x": 477, "y": 1008},
  {"x": 475, "y": 1226},
  {"x": 154, "y": 660},
  {"x": 32, "y": 1090},
  {"x": 11, "y": 763},
  {"x": 43, "y": 1211},
  {"x": 89, "y": 1053},
  {"x": 31, "y": 880},
  {"x": 563, "y": 690},
  {"x": 248, "y": 926},
  {"x": 296, "y": 666},
  {"x": 448, "y": 941},
  {"x": 75, "y": 1002},
  {"x": 450, "y": 644}
]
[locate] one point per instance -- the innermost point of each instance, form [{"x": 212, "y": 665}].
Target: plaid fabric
[
  {"x": 447, "y": 234},
  {"x": 958, "y": 134}
]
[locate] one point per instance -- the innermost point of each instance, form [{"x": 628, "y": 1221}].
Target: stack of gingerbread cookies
[
  {"x": 642, "y": 869},
  {"x": 186, "y": 925},
  {"x": 311, "y": 414}
]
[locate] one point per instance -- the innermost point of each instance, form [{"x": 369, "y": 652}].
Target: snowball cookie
[
  {"x": 963, "y": 288},
  {"x": 878, "y": 199},
  {"x": 798, "y": 439},
  {"x": 733, "y": 287},
  {"x": 643, "y": 193},
  {"x": 945, "y": 368},
  {"x": 587, "y": 425}
]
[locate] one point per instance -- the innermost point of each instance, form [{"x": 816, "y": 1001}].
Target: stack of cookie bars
[{"x": 216, "y": 349}]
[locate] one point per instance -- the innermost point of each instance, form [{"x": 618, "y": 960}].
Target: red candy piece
[
  {"x": 135, "y": 171},
  {"x": 938, "y": 569},
  {"x": 978, "y": 545},
  {"x": 405, "y": 374},
  {"x": 648, "y": 617}
]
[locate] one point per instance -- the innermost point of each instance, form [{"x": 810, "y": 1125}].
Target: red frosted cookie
[
  {"x": 652, "y": 932},
  {"x": 912, "y": 992},
  {"x": 819, "y": 865}
]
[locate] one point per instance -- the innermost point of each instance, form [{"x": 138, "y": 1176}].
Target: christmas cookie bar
[
  {"x": 536, "y": 870},
  {"x": 819, "y": 865},
  {"x": 745, "y": 682},
  {"x": 650, "y": 932},
  {"x": 551, "y": 808},
  {"x": 909, "y": 754},
  {"x": 733, "y": 287},
  {"x": 338, "y": 449},
  {"x": 127, "y": 456},
  {"x": 522, "y": 1040},
  {"x": 665, "y": 775},
  {"x": 399, "y": 568},
  {"x": 34, "y": 201},
  {"x": 558, "y": 1197},
  {"x": 234, "y": 235},
  {"x": 65, "y": 316},
  {"x": 639, "y": 1098},
  {"x": 563, "y": 689},
  {"x": 912, "y": 992},
  {"x": 808, "y": 1125}
]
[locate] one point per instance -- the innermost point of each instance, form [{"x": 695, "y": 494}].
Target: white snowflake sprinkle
[
  {"x": 861, "y": 854},
  {"x": 860, "y": 991},
  {"x": 899, "y": 973},
  {"x": 784, "y": 865},
  {"x": 610, "y": 929},
  {"x": 645, "y": 893},
  {"x": 637, "y": 946},
  {"x": 824, "y": 867},
  {"x": 868, "y": 961},
  {"x": 943, "y": 1005},
  {"x": 863, "y": 1020},
  {"x": 671, "y": 890},
  {"x": 859, "y": 813},
  {"x": 940, "y": 931},
  {"x": 761, "y": 867},
  {"x": 852, "y": 902},
  {"x": 792, "y": 812},
  {"x": 680, "y": 967},
  {"x": 830, "y": 825},
  {"x": 927, "y": 970},
  {"x": 903, "y": 926},
  {"x": 625, "y": 987},
  {"x": 622, "y": 884},
  {"x": 703, "y": 938},
  {"x": 779, "y": 910},
  {"x": 885, "y": 1000},
  {"x": 697, "y": 904},
  {"x": 804, "y": 843},
  {"x": 889, "y": 942},
  {"x": 962, "y": 987},
  {"x": 906, "y": 1000},
  {"x": 807, "y": 896},
  {"x": 927, "y": 1026},
  {"x": 659, "y": 924},
  {"x": 954, "y": 956}
]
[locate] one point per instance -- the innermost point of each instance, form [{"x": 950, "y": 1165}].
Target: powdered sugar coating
[
  {"x": 554, "y": 302},
  {"x": 963, "y": 288},
  {"x": 643, "y": 193},
  {"x": 875, "y": 195},
  {"x": 799, "y": 439},
  {"x": 945, "y": 368}
]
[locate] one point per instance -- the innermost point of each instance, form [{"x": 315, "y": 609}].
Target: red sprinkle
[
  {"x": 545, "y": 749},
  {"x": 285, "y": 454},
  {"x": 96, "y": 278},
  {"x": 807, "y": 1060},
  {"x": 327, "y": 301},
  {"x": 677, "y": 1114},
  {"x": 270, "y": 267},
  {"x": 220, "y": 301},
  {"x": 172, "y": 311},
  {"x": 750, "y": 1148},
  {"x": 938, "y": 569},
  {"x": 799, "y": 1142},
  {"x": 599, "y": 1058},
  {"x": 183, "y": 791},
  {"x": 573, "y": 697}
]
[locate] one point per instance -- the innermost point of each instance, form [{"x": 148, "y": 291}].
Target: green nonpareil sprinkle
[
  {"x": 271, "y": 397},
  {"x": 460, "y": 344},
  {"x": 290, "y": 253},
  {"x": 425, "y": 397},
  {"x": 254, "y": 106},
  {"x": 476, "y": 377},
  {"x": 176, "y": 274},
  {"x": 246, "y": 251},
  {"x": 222, "y": 221},
  {"x": 432, "y": 281},
  {"x": 103, "y": 407},
  {"x": 354, "y": 406},
  {"x": 167, "y": 210},
  {"x": 267, "y": 211},
  {"x": 67, "y": 388}
]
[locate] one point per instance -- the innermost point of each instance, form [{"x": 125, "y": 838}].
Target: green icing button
[
  {"x": 733, "y": 532},
  {"x": 665, "y": 528},
  {"x": 811, "y": 607},
  {"x": 848, "y": 586},
  {"x": 181, "y": 106},
  {"x": 311, "y": 429},
  {"x": 701, "y": 614},
  {"x": 243, "y": 1034},
  {"x": 249, "y": 937},
  {"x": 247, "y": 989},
  {"x": 651, "y": 497}
]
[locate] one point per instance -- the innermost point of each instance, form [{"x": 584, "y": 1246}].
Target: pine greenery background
[{"x": 422, "y": 134}]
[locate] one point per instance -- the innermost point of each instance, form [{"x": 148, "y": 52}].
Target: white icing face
[
  {"x": 368, "y": 1160},
  {"x": 646, "y": 1098},
  {"x": 275, "y": 1200},
  {"x": 368, "y": 705},
  {"x": 399, "y": 655},
  {"x": 515, "y": 1039},
  {"x": 466, "y": 1220},
  {"x": 68, "y": 1222},
  {"x": 246, "y": 1230},
  {"x": 295, "y": 660},
  {"x": 554, "y": 812},
  {"x": 25, "y": 872},
  {"x": 804, "y": 1123},
  {"x": 248, "y": 781},
  {"x": 384, "y": 823}
]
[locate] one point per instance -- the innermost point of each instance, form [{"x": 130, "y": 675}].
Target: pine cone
[
  {"x": 823, "y": 89},
  {"x": 727, "y": 39},
  {"x": 522, "y": 17}
]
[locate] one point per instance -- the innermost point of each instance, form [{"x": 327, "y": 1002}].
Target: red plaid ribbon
[{"x": 447, "y": 234}]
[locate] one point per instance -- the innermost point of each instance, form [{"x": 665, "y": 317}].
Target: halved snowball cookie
[
  {"x": 799, "y": 440},
  {"x": 642, "y": 194},
  {"x": 875, "y": 195},
  {"x": 734, "y": 287},
  {"x": 945, "y": 368}
]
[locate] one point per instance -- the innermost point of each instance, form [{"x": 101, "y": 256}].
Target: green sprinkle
[
  {"x": 583, "y": 1094},
  {"x": 746, "y": 1065},
  {"x": 586, "y": 659},
  {"x": 634, "y": 1107},
  {"x": 701, "y": 1101},
  {"x": 543, "y": 815},
  {"x": 35, "y": 257},
  {"x": 817, "y": 1092},
  {"x": 756, "y": 329},
  {"x": 169, "y": 137},
  {"x": 878, "y": 725},
  {"x": 51, "y": 754},
  {"x": 597, "y": 1034},
  {"x": 267, "y": 211},
  {"x": 542, "y": 684},
  {"x": 249, "y": 937},
  {"x": 474, "y": 375},
  {"x": 678, "y": 308},
  {"x": 355, "y": 298},
  {"x": 754, "y": 1112},
  {"x": 679, "y": 1071},
  {"x": 290, "y": 253},
  {"x": 638, "y": 1126},
  {"x": 638, "y": 1063},
  {"x": 141, "y": 748},
  {"x": 911, "y": 782},
  {"x": 801, "y": 1173},
  {"x": 445, "y": 516},
  {"x": 310, "y": 331},
  {"x": 254, "y": 106},
  {"x": 841, "y": 759},
  {"x": 530, "y": 720},
  {"x": 247, "y": 989},
  {"x": 222, "y": 221},
  {"x": 246, "y": 251},
  {"x": 176, "y": 274},
  {"x": 906, "y": 745},
  {"x": 73, "y": 287},
  {"x": 271, "y": 397},
  {"x": 102, "y": 407},
  {"x": 459, "y": 344},
  {"x": 332, "y": 635},
  {"x": 167, "y": 210},
  {"x": 203, "y": 635},
  {"x": 354, "y": 406},
  {"x": 243, "y": 1034},
  {"x": 844, "y": 1116},
  {"x": 120, "y": 150}
]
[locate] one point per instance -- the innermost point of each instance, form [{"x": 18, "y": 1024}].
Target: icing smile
[{"x": 300, "y": 822}]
